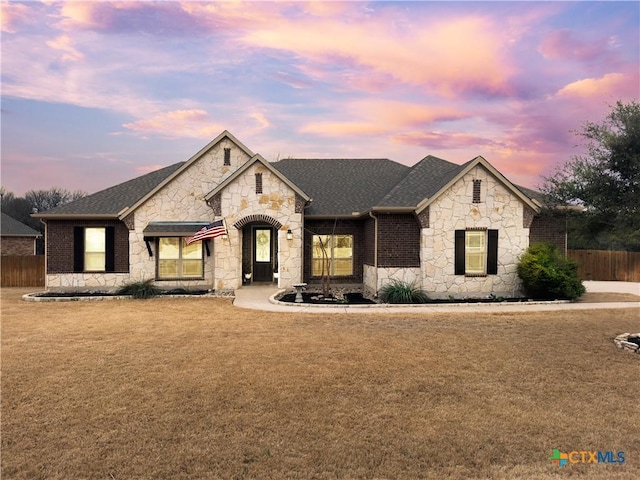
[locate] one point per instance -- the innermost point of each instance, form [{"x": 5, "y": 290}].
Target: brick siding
[
  {"x": 18, "y": 245},
  {"x": 60, "y": 244},
  {"x": 329, "y": 227},
  {"x": 550, "y": 229},
  {"x": 398, "y": 241},
  {"x": 369, "y": 241}
]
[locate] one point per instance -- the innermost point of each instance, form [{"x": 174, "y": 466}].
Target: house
[
  {"x": 16, "y": 238},
  {"x": 451, "y": 229}
]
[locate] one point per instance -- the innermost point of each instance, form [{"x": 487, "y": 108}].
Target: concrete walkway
[{"x": 260, "y": 297}]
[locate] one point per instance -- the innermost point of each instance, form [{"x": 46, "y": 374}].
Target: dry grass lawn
[{"x": 199, "y": 389}]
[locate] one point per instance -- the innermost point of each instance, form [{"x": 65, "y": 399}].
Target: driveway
[
  {"x": 262, "y": 298},
  {"x": 612, "y": 287}
]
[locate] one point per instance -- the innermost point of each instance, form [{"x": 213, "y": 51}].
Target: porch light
[
  {"x": 289, "y": 235},
  {"x": 225, "y": 237}
]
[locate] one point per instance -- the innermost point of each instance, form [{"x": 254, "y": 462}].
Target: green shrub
[
  {"x": 402, "y": 292},
  {"x": 547, "y": 274},
  {"x": 141, "y": 289}
]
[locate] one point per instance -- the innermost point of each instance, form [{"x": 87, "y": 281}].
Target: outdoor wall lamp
[
  {"x": 225, "y": 237},
  {"x": 289, "y": 235}
]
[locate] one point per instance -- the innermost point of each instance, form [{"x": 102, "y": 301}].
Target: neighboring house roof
[
  {"x": 10, "y": 227},
  {"x": 111, "y": 201},
  {"x": 342, "y": 186}
]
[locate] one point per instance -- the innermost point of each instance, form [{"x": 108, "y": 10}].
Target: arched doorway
[{"x": 259, "y": 247}]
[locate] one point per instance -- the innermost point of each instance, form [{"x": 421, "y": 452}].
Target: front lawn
[{"x": 196, "y": 388}]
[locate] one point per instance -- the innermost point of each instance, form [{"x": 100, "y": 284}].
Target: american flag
[{"x": 215, "y": 229}]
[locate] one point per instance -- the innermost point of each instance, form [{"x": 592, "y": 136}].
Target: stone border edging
[
  {"x": 272, "y": 299},
  {"x": 32, "y": 297}
]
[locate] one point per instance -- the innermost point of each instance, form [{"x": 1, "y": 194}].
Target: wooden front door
[{"x": 263, "y": 254}]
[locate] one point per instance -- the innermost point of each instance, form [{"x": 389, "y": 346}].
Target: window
[
  {"x": 176, "y": 259},
  {"x": 332, "y": 254},
  {"x": 476, "y": 191},
  {"x": 227, "y": 156},
  {"x": 95, "y": 249},
  {"x": 476, "y": 252},
  {"x": 258, "y": 183}
]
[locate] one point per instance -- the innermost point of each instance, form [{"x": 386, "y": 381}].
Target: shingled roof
[
  {"x": 10, "y": 227},
  {"x": 422, "y": 181},
  {"x": 111, "y": 201},
  {"x": 342, "y": 186},
  {"x": 337, "y": 187}
]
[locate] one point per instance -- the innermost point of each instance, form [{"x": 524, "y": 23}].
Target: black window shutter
[
  {"x": 492, "y": 252},
  {"x": 78, "y": 249},
  {"x": 459, "y": 254},
  {"x": 110, "y": 248}
]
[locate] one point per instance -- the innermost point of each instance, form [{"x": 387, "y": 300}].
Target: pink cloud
[
  {"x": 367, "y": 115},
  {"x": 65, "y": 44},
  {"x": 12, "y": 15},
  {"x": 143, "y": 169},
  {"x": 443, "y": 140},
  {"x": 563, "y": 45},
  {"x": 336, "y": 129},
  {"x": 616, "y": 84},
  {"x": 176, "y": 124},
  {"x": 448, "y": 55},
  {"x": 260, "y": 119}
]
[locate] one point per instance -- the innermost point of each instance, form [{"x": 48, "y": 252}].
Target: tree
[
  {"x": 43, "y": 200},
  {"x": 605, "y": 181}
]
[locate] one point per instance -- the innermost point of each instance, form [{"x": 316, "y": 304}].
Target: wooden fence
[
  {"x": 607, "y": 265},
  {"x": 22, "y": 271}
]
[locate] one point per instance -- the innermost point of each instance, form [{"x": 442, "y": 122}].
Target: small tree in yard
[{"x": 547, "y": 274}]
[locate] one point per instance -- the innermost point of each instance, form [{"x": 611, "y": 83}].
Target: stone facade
[
  {"x": 184, "y": 200},
  {"x": 498, "y": 209},
  {"x": 277, "y": 201},
  {"x": 226, "y": 181}
]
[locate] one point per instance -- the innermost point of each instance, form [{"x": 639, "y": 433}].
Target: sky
[{"x": 96, "y": 93}]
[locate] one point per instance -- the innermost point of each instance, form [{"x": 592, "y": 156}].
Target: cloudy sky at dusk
[{"x": 96, "y": 93}]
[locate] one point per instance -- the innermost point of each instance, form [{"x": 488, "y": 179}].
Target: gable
[
  {"x": 251, "y": 164},
  {"x": 481, "y": 163},
  {"x": 218, "y": 160}
]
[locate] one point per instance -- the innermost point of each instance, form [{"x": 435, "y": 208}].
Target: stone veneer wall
[
  {"x": 373, "y": 283},
  {"x": 182, "y": 200},
  {"x": 454, "y": 210},
  {"x": 278, "y": 201}
]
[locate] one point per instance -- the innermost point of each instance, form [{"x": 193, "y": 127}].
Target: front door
[{"x": 263, "y": 253}]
